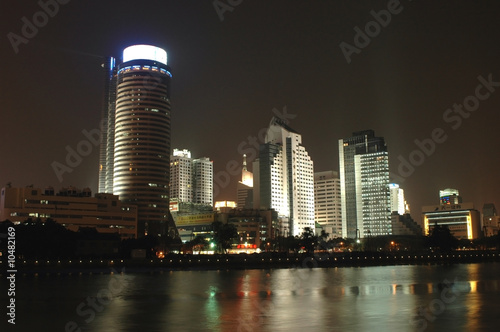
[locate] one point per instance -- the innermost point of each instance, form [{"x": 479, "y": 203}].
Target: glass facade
[{"x": 364, "y": 185}]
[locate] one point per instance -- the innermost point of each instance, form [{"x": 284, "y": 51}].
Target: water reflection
[{"x": 387, "y": 298}]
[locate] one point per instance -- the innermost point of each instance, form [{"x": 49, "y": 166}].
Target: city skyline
[{"x": 229, "y": 80}]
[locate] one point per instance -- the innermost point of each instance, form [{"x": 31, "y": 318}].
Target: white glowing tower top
[{"x": 145, "y": 52}]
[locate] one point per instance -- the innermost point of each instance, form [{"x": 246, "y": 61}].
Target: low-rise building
[
  {"x": 462, "y": 220},
  {"x": 70, "y": 207}
]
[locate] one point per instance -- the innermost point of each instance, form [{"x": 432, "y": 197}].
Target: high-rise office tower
[
  {"x": 327, "y": 202},
  {"x": 203, "y": 179},
  {"x": 287, "y": 178},
  {"x": 364, "y": 181},
  {"x": 138, "y": 137}
]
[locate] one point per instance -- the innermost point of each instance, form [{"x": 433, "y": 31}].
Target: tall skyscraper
[
  {"x": 327, "y": 202},
  {"x": 138, "y": 136},
  {"x": 287, "y": 178},
  {"x": 203, "y": 181},
  {"x": 191, "y": 180},
  {"x": 398, "y": 202},
  {"x": 364, "y": 181},
  {"x": 181, "y": 176}
]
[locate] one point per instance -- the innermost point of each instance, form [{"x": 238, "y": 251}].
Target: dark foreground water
[{"x": 462, "y": 297}]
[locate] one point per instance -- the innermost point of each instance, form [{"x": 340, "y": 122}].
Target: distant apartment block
[
  {"x": 191, "y": 180},
  {"x": 327, "y": 202},
  {"x": 491, "y": 220}
]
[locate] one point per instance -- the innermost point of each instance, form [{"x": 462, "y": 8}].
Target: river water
[{"x": 460, "y": 297}]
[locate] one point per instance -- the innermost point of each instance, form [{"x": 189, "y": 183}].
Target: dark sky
[{"x": 229, "y": 75}]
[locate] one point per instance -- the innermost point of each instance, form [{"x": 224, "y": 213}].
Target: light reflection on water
[{"x": 385, "y": 298}]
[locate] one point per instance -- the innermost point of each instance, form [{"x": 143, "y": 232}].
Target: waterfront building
[
  {"x": 254, "y": 227},
  {"x": 137, "y": 140},
  {"x": 70, "y": 207},
  {"x": 461, "y": 219}
]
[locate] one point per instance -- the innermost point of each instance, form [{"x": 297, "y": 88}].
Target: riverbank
[{"x": 253, "y": 261}]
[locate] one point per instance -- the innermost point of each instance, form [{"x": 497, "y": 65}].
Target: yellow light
[{"x": 469, "y": 227}]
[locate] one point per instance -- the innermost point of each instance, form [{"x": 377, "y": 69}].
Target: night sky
[{"x": 229, "y": 75}]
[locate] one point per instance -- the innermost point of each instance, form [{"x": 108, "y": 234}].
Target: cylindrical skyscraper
[{"x": 141, "y": 166}]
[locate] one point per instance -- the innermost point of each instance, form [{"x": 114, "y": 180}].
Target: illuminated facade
[
  {"x": 138, "y": 137},
  {"x": 287, "y": 178},
  {"x": 327, "y": 202},
  {"x": 191, "y": 180},
  {"x": 364, "y": 185},
  {"x": 397, "y": 196},
  {"x": 461, "y": 219},
  {"x": 70, "y": 207},
  {"x": 203, "y": 181},
  {"x": 106, "y": 153},
  {"x": 181, "y": 176},
  {"x": 244, "y": 187}
]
